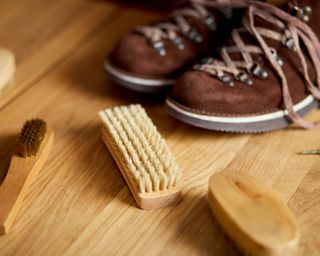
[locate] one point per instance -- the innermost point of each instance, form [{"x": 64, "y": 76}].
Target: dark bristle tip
[{"x": 30, "y": 137}]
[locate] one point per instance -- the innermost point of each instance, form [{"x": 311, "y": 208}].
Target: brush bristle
[
  {"x": 30, "y": 137},
  {"x": 147, "y": 157}
]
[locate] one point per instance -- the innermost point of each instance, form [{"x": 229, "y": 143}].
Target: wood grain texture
[
  {"x": 80, "y": 205},
  {"x": 252, "y": 214}
]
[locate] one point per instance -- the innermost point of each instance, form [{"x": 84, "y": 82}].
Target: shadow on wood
[
  {"x": 199, "y": 230},
  {"x": 7, "y": 147}
]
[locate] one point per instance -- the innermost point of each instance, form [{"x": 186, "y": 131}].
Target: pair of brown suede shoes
[{"x": 230, "y": 65}]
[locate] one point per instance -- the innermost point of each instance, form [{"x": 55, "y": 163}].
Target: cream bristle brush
[
  {"x": 32, "y": 149},
  {"x": 142, "y": 156},
  {"x": 7, "y": 67},
  {"x": 253, "y": 215}
]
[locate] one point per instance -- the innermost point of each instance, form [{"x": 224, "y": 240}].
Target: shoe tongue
[
  {"x": 199, "y": 25},
  {"x": 249, "y": 39}
]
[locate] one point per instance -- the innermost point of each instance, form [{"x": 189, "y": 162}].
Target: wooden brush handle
[{"x": 22, "y": 172}]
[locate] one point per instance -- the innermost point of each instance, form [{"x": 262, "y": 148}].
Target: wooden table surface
[{"x": 80, "y": 205}]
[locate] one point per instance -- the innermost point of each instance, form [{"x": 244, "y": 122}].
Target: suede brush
[
  {"x": 142, "y": 156},
  {"x": 32, "y": 149},
  {"x": 252, "y": 215}
]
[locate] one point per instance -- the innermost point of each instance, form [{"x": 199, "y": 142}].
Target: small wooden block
[
  {"x": 7, "y": 67},
  {"x": 21, "y": 174},
  {"x": 252, "y": 214}
]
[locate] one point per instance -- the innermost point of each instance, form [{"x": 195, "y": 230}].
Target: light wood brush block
[
  {"x": 7, "y": 67},
  {"x": 253, "y": 215},
  {"x": 142, "y": 156},
  {"x": 21, "y": 174}
]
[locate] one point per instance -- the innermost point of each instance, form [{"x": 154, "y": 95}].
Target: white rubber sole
[
  {"x": 245, "y": 124},
  {"x": 136, "y": 83}
]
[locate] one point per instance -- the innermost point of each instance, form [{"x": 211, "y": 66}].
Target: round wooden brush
[
  {"x": 253, "y": 215},
  {"x": 7, "y": 67}
]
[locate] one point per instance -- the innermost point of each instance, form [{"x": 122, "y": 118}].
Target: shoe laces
[
  {"x": 178, "y": 24},
  {"x": 294, "y": 31}
]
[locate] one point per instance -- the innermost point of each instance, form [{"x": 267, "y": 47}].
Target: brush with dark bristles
[
  {"x": 32, "y": 149},
  {"x": 30, "y": 138}
]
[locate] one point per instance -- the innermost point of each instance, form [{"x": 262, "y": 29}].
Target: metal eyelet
[
  {"x": 197, "y": 67},
  {"x": 244, "y": 78},
  {"x": 207, "y": 61},
  {"x": 307, "y": 10},
  {"x": 210, "y": 22},
  {"x": 276, "y": 56},
  {"x": 258, "y": 71},
  {"x": 159, "y": 47},
  {"x": 302, "y": 13},
  {"x": 194, "y": 35},
  {"x": 178, "y": 42},
  {"x": 290, "y": 44},
  {"x": 226, "y": 80}
]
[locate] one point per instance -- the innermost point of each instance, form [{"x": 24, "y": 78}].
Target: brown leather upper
[
  {"x": 197, "y": 91},
  {"x": 134, "y": 54}
]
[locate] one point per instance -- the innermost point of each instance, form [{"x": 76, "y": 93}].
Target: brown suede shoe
[
  {"x": 265, "y": 77},
  {"x": 151, "y": 58}
]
